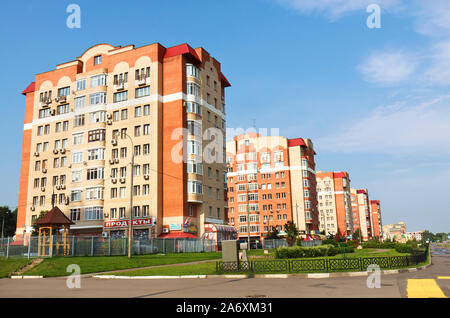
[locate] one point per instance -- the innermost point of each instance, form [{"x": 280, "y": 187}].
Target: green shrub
[
  {"x": 304, "y": 252},
  {"x": 403, "y": 248}
]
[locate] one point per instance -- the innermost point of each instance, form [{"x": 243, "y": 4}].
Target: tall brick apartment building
[
  {"x": 83, "y": 121},
  {"x": 335, "y": 205},
  {"x": 271, "y": 180},
  {"x": 361, "y": 212}
]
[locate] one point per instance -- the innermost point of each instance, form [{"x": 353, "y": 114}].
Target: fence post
[
  {"x": 7, "y": 249},
  {"x": 73, "y": 245},
  {"x": 361, "y": 264},
  {"x": 51, "y": 245},
  {"x": 109, "y": 245},
  {"x": 175, "y": 245},
  {"x": 29, "y": 246},
  {"x": 125, "y": 246},
  {"x": 164, "y": 245}
]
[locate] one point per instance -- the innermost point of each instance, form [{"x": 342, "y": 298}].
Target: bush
[
  {"x": 403, "y": 248},
  {"x": 302, "y": 252}
]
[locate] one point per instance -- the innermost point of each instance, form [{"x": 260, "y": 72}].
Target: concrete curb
[{"x": 25, "y": 277}]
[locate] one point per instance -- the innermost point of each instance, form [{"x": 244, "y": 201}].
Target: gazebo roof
[{"x": 54, "y": 217}]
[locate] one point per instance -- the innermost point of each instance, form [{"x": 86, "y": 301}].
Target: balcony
[
  {"x": 142, "y": 80},
  {"x": 120, "y": 86}
]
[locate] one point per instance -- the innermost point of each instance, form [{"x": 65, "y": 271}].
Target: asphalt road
[{"x": 392, "y": 286}]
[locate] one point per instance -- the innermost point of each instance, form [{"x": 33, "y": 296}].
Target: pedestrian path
[{"x": 424, "y": 288}]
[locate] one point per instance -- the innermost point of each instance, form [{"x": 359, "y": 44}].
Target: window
[
  {"x": 96, "y": 135},
  {"x": 80, "y": 102},
  {"x": 146, "y": 110},
  {"x": 81, "y": 84},
  {"x": 96, "y": 154},
  {"x": 93, "y": 213},
  {"x": 40, "y": 130},
  {"x": 77, "y": 157},
  {"x": 195, "y": 187},
  {"x": 122, "y": 213},
  {"x": 146, "y": 148},
  {"x": 75, "y": 195},
  {"x": 97, "y": 98},
  {"x": 76, "y": 175},
  {"x": 116, "y": 115},
  {"x": 97, "y": 117},
  {"x": 120, "y": 96},
  {"x": 78, "y": 120},
  {"x": 95, "y": 173},
  {"x": 97, "y": 59},
  {"x": 137, "y": 131},
  {"x": 194, "y": 167},
  {"x": 124, "y": 114},
  {"x": 113, "y": 213},
  {"x": 75, "y": 214},
  {"x": 142, "y": 91},
  {"x": 192, "y": 107},
  {"x": 43, "y": 113},
  {"x": 192, "y": 71},
  {"x": 147, "y": 129},
  {"x": 98, "y": 80},
  {"x": 94, "y": 193},
  {"x": 64, "y": 91},
  {"x": 193, "y": 89}
]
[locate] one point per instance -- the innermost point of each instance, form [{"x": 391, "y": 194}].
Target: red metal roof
[
  {"x": 361, "y": 191},
  {"x": 29, "y": 89},
  {"x": 177, "y": 235},
  {"x": 339, "y": 174},
  {"x": 54, "y": 216},
  {"x": 375, "y": 201},
  {"x": 296, "y": 142},
  {"x": 181, "y": 49},
  {"x": 224, "y": 80}
]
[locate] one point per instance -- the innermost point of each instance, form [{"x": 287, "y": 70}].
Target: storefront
[{"x": 143, "y": 228}]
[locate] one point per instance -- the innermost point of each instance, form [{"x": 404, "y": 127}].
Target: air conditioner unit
[
  {"x": 116, "y": 160},
  {"x": 44, "y": 170},
  {"x": 114, "y": 180},
  {"x": 166, "y": 230},
  {"x": 109, "y": 122},
  {"x": 63, "y": 186},
  {"x": 42, "y": 188},
  {"x": 108, "y": 116},
  {"x": 122, "y": 180},
  {"x": 111, "y": 161},
  {"x": 55, "y": 151},
  {"x": 52, "y": 112},
  {"x": 104, "y": 234},
  {"x": 36, "y": 154},
  {"x": 69, "y": 166},
  {"x": 146, "y": 176},
  {"x": 57, "y": 99},
  {"x": 114, "y": 142},
  {"x": 62, "y": 99},
  {"x": 63, "y": 150},
  {"x": 184, "y": 104},
  {"x": 32, "y": 208},
  {"x": 58, "y": 187}
]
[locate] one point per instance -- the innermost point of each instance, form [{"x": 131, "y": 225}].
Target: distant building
[
  {"x": 375, "y": 212},
  {"x": 334, "y": 203},
  {"x": 361, "y": 212},
  {"x": 395, "y": 232},
  {"x": 415, "y": 235}
]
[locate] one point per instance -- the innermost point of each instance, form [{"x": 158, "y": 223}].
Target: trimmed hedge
[
  {"x": 407, "y": 247},
  {"x": 302, "y": 252}
]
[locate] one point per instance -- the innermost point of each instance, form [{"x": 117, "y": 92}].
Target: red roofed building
[
  {"x": 334, "y": 203},
  {"x": 85, "y": 118},
  {"x": 271, "y": 180}
]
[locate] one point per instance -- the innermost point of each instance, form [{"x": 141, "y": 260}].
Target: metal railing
[
  {"x": 267, "y": 243},
  {"x": 100, "y": 246},
  {"x": 325, "y": 265}
]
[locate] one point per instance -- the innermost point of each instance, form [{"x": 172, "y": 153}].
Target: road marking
[
  {"x": 443, "y": 277},
  {"x": 423, "y": 288}
]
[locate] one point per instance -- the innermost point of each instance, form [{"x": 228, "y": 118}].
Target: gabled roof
[
  {"x": 296, "y": 142},
  {"x": 30, "y": 88},
  {"x": 180, "y": 50},
  {"x": 55, "y": 217},
  {"x": 224, "y": 80}
]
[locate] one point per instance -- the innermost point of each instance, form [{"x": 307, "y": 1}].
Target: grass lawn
[
  {"x": 10, "y": 265},
  {"x": 57, "y": 266},
  {"x": 209, "y": 268}
]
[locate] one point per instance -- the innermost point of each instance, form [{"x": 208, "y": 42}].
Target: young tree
[
  {"x": 273, "y": 235},
  {"x": 8, "y": 221},
  {"x": 292, "y": 233},
  {"x": 357, "y": 235}
]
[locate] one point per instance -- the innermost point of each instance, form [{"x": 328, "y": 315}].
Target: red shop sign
[{"x": 125, "y": 223}]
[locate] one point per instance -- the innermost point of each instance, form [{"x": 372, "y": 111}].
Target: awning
[{"x": 177, "y": 235}]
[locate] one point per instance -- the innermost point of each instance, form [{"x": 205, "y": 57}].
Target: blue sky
[{"x": 375, "y": 102}]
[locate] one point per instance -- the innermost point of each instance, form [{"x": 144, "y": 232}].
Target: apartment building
[
  {"x": 271, "y": 180},
  {"x": 395, "y": 232},
  {"x": 375, "y": 212},
  {"x": 334, "y": 203},
  {"x": 88, "y": 119},
  {"x": 361, "y": 212}
]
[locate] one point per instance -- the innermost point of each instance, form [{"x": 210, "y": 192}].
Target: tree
[
  {"x": 292, "y": 233},
  {"x": 273, "y": 235},
  {"x": 427, "y": 236},
  {"x": 357, "y": 234},
  {"x": 8, "y": 220},
  {"x": 35, "y": 231}
]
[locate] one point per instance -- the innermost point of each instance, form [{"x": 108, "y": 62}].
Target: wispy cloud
[
  {"x": 334, "y": 9},
  {"x": 397, "y": 130},
  {"x": 389, "y": 67},
  {"x": 432, "y": 17}
]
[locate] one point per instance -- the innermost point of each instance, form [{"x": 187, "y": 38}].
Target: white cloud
[
  {"x": 439, "y": 71},
  {"x": 397, "y": 130},
  {"x": 432, "y": 17},
  {"x": 387, "y": 68},
  {"x": 334, "y": 9}
]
